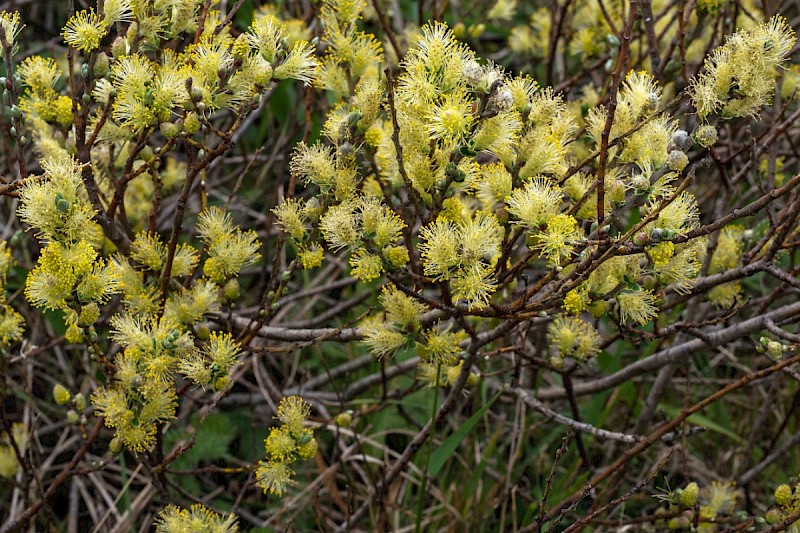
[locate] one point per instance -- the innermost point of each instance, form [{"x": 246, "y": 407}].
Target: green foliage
[{"x": 351, "y": 265}]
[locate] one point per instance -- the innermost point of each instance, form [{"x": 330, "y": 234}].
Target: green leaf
[
  {"x": 213, "y": 438},
  {"x": 125, "y": 500},
  {"x": 282, "y": 102},
  {"x": 210, "y": 444},
  {"x": 56, "y": 319},
  {"x": 244, "y": 16},
  {"x": 250, "y": 445},
  {"x": 477, "y": 474},
  {"x": 705, "y": 422},
  {"x": 441, "y": 454}
]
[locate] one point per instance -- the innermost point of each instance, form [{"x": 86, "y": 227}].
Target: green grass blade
[{"x": 441, "y": 454}]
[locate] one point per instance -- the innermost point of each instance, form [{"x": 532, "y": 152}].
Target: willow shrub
[{"x": 228, "y": 317}]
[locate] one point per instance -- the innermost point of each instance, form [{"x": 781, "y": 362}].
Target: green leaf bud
[
  {"x": 101, "y": 64},
  {"x": 476, "y": 30},
  {"x": 775, "y": 350},
  {"x": 169, "y": 130},
  {"x": 706, "y": 136},
  {"x": 89, "y": 314},
  {"x": 344, "y": 419},
  {"x": 783, "y": 494},
  {"x": 191, "y": 123},
  {"x": 60, "y": 394},
  {"x": 232, "y": 291},
  {"x": 502, "y": 215},
  {"x": 133, "y": 29},
  {"x": 680, "y": 522},
  {"x": 677, "y": 160},
  {"x": 202, "y": 331},
  {"x": 773, "y": 516},
  {"x": 115, "y": 446},
  {"x": 598, "y": 308},
  {"x": 147, "y": 154},
  {"x": 62, "y": 204},
  {"x": 222, "y": 383},
  {"x": 119, "y": 47},
  {"x": 688, "y": 496},
  {"x": 79, "y": 401},
  {"x": 74, "y": 334}
]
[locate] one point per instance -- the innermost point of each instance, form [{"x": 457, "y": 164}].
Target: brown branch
[
  {"x": 22, "y": 521},
  {"x": 616, "y": 80},
  {"x": 676, "y": 353},
  {"x": 599, "y": 433},
  {"x": 13, "y": 93},
  {"x": 656, "y": 435}
]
